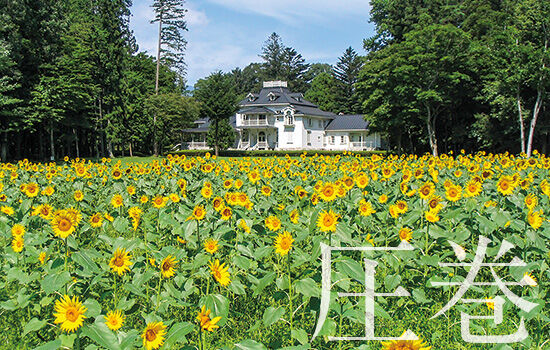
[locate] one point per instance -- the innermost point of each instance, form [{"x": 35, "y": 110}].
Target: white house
[{"x": 278, "y": 119}]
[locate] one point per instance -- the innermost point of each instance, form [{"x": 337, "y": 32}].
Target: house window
[
  {"x": 309, "y": 122},
  {"x": 332, "y": 140},
  {"x": 342, "y": 139},
  {"x": 308, "y": 139},
  {"x": 320, "y": 123},
  {"x": 290, "y": 138},
  {"x": 289, "y": 118}
]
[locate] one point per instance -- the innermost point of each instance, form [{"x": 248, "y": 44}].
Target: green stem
[
  {"x": 198, "y": 237},
  {"x": 290, "y": 299},
  {"x": 114, "y": 290},
  {"x": 66, "y": 263},
  {"x": 158, "y": 291}
]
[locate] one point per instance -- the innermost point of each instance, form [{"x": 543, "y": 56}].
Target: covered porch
[
  {"x": 193, "y": 139},
  {"x": 258, "y": 139}
]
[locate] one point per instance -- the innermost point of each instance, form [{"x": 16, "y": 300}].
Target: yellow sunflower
[
  {"x": 405, "y": 234},
  {"x": 535, "y": 219},
  {"x": 226, "y": 213},
  {"x": 365, "y": 208},
  {"x": 69, "y": 313},
  {"x": 327, "y": 221},
  {"x": 62, "y": 224},
  {"x": 114, "y": 320},
  {"x": 78, "y": 195},
  {"x": 17, "y": 244},
  {"x": 168, "y": 266},
  {"x": 42, "y": 258},
  {"x": 159, "y": 201},
  {"x": 273, "y": 223},
  {"x": 198, "y": 212},
  {"x": 405, "y": 345},
  {"x": 505, "y": 185},
  {"x": 153, "y": 335},
  {"x": 426, "y": 190},
  {"x": 32, "y": 190},
  {"x": 96, "y": 220},
  {"x": 206, "y": 322},
  {"x": 117, "y": 201},
  {"x": 120, "y": 262},
  {"x": 18, "y": 230},
  {"x": 431, "y": 216},
  {"x": 220, "y": 272},
  {"x": 7, "y": 210},
  {"x": 453, "y": 193},
  {"x": 211, "y": 245},
  {"x": 531, "y": 201},
  {"x": 283, "y": 243}
]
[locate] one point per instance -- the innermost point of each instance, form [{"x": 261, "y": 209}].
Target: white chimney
[{"x": 275, "y": 84}]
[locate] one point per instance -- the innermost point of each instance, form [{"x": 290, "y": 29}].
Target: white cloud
[
  {"x": 204, "y": 58},
  {"x": 292, "y": 11},
  {"x": 196, "y": 18}
]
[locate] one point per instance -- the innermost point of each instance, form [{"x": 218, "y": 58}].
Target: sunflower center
[
  {"x": 118, "y": 261},
  {"x": 285, "y": 244},
  {"x": 166, "y": 266},
  {"x": 328, "y": 221},
  {"x": 150, "y": 335},
  {"x": 64, "y": 225},
  {"x": 71, "y": 314}
]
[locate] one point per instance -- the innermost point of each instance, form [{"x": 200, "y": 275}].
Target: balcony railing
[
  {"x": 197, "y": 145},
  {"x": 362, "y": 145},
  {"x": 256, "y": 122}
]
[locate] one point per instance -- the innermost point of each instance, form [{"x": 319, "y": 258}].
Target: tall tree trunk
[
  {"x": 216, "y": 148},
  {"x": 159, "y": 45},
  {"x": 4, "y": 149},
  {"x": 131, "y": 153},
  {"x": 52, "y": 145},
  {"x": 538, "y": 103},
  {"x": 101, "y": 133},
  {"x": 40, "y": 145},
  {"x": 18, "y": 138},
  {"x": 536, "y": 112},
  {"x": 76, "y": 143},
  {"x": 430, "y": 122},
  {"x": 521, "y": 123}
]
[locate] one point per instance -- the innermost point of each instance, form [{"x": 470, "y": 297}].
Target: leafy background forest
[{"x": 437, "y": 76}]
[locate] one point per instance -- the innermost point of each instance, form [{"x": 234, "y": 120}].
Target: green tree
[
  {"x": 324, "y": 92},
  {"x": 174, "y": 113},
  {"x": 218, "y": 101},
  {"x": 273, "y": 51},
  {"x": 169, "y": 14},
  {"x": 346, "y": 71},
  {"x": 225, "y": 135}
]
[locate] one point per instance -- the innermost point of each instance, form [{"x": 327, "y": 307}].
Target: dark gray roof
[
  {"x": 306, "y": 110},
  {"x": 282, "y": 96},
  {"x": 202, "y": 125},
  {"x": 256, "y": 110},
  {"x": 348, "y": 122}
]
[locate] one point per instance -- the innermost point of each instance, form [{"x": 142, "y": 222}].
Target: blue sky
[{"x": 225, "y": 34}]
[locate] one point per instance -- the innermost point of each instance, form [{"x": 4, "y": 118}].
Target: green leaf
[
  {"x": 308, "y": 287},
  {"x": 53, "y": 345},
  {"x": 33, "y": 325},
  {"x": 391, "y": 282},
  {"x": 177, "y": 333},
  {"x": 101, "y": 334},
  {"x": 249, "y": 344},
  {"x": 353, "y": 269},
  {"x": 420, "y": 296},
  {"x": 54, "y": 282},
  {"x": 121, "y": 224},
  {"x": 272, "y": 315},
  {"x": 94, "y": 309},
  {"x": 264, "y": 282},
  {"x": 300, "y": 335},
  {"x": 219, "y": 305}
]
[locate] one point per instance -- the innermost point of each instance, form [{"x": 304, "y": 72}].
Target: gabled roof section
[
  {"x": 348, "y": 122},
  {"x": 256, "y": 110}
]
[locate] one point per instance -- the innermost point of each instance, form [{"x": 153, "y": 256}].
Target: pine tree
[
  {"x": 169, "y": 14},
  {"x": 346, "y": 71},
  {"x": 272, "y": 53}
]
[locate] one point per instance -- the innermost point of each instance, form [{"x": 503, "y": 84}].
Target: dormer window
[
  {"x": 289, "y": 118},
  {"x": 271, "y": 96},
  {"x": 251, "y": 97}
]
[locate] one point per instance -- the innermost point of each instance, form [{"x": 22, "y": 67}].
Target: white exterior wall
[{"x": 369, "y": 142}]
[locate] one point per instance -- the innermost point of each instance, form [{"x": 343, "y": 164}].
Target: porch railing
[
  {"x": 256, "y": 122},
  {"x": 197, "y": 145}
]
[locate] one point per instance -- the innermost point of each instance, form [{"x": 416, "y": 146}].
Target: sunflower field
[{"x": 205, "y": 253}]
